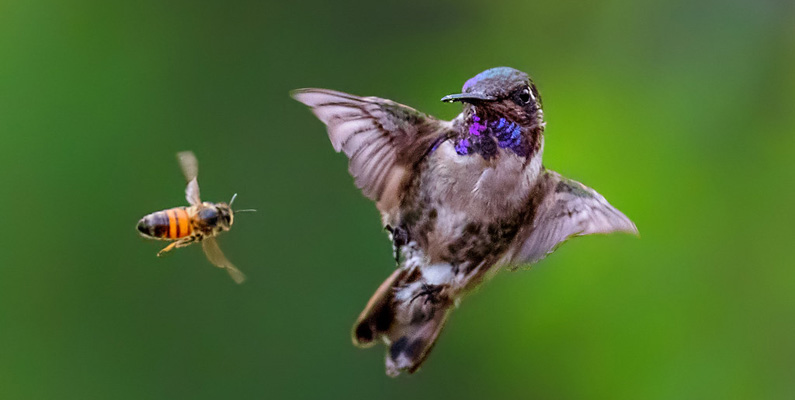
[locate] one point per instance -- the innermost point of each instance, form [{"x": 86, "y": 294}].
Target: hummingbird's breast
[
  {"x": 477, "y": 186},
  {"x": 461, "y": 209}
]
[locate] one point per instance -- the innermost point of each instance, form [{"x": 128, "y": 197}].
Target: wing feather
[
  {"x": 381, "y": 138},
  {"x": 568, "y": 209},
  {"x": 373, "y": 170}
]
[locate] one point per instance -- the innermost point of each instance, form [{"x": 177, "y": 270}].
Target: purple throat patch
[{"x": 481, "y": 138}]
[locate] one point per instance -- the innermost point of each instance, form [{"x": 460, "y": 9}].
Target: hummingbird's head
[
  {"x": 502, "y": 103},
  {"x": 503, "y": 92}
]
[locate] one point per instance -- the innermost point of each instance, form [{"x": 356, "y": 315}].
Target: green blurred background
[{"x": 682, "y": 113}]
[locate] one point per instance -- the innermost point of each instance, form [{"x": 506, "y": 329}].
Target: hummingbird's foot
[
  {"x": 430, "y": 293},
  {"x": 399, "y": 238}
]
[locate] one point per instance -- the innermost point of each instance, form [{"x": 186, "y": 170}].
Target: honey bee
[{"x": 201, "y": 222}]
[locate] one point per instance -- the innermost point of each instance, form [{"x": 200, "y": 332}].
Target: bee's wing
[
  {"x": 217, "y": 257},
  {"x": 192, "y": 192},
  {"x": 190, "y": 167},
  {"x": 568, "y": 208}
]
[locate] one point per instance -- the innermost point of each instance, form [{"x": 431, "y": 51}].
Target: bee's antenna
[{"x": 237, "y": 211}]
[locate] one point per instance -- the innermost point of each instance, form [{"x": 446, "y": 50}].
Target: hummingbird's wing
[
  {"x": 383, "y": 140},
  {"x": 190, "y": 168},
  {"x": 567, "y": 208}
]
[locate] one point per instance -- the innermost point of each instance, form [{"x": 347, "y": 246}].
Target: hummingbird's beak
[{"x": 467, "y": 97}]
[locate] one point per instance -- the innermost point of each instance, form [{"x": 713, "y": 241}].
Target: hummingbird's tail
[{"x": 407, "y": 312}]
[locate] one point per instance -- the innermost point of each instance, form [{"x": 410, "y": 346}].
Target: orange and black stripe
[{"x": 170, "y": 224}]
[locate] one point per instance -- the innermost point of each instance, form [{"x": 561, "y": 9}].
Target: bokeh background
[{"x": 682, "y": 113}]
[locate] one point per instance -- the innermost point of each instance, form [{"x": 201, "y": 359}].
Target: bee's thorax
[{"x": 211, "y": 219}]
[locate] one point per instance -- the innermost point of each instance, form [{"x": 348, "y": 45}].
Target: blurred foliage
[{"x": 679, "y": 112}]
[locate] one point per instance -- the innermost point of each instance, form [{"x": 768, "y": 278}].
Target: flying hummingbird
[{"x": 460, "y": 199}]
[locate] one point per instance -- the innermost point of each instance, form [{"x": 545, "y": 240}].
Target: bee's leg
[
  {"x": 167, "y": 249},
  {"x": 179, "y": 243},
  {"x": 185, "y": 242}
]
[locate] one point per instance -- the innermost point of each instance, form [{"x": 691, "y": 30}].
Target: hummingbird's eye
[{"x": 524, "y": 96}]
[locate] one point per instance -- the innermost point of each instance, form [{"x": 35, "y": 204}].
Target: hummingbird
[{"x": 460, "y": 200}]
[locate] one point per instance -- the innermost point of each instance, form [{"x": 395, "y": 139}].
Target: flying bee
[{"x": 201, "y": 222}]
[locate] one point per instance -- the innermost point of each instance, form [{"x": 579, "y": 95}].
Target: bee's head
[
  {"x": 225, "y": 216},
  {"x": 217, "y": 216}
]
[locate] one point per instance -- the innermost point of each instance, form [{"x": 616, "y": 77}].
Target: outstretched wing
[
  {"x": 382, "y": 139},
  {"x": 217, "y": 257},
  {"x": 568, "y": 208},
  {"x": 190, "y": 168}
]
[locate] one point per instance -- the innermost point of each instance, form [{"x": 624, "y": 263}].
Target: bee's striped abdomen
[{"x": 170, "y": 224}]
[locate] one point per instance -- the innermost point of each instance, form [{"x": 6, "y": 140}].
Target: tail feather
[
  {"x": 407, "y": 313},
  {"x": 377, "y": 315},
  {"x": 413, "y": 344}
]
